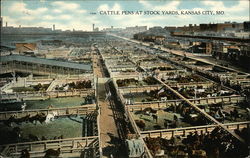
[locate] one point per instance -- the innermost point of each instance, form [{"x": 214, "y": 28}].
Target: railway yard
[{"x": 117, "y": 97}]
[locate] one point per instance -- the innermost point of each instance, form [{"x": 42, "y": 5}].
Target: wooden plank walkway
[
  {"x": 45, "y": 95},
  {"x": 138, "y": 89},
  {"x": 160, "y": 105},
  {"x": 183, "y": 132},
  {"x": 108, "y": 129},
  {"x": 65, "y": 111},
  {"x": 37, "y": 148}
]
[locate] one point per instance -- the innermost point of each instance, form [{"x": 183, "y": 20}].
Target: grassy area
[
  {"x": 162, "y": 117},
  {"x": 68, "y": 127}
]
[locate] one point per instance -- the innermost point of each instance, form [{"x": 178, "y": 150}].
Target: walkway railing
[
  {"x": 37, "y": 148},
  {"x": 65, "y": 111},
  {"x": 44, "y": 95},
  {"x": 138, "y": 106},
  {"x": 183, "y": 132}
]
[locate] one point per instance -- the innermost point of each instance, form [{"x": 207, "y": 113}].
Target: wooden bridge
[
  {"x": 65, "y": 111},
  {"x": 183, "y": 132},
  {"x": 39, "y": 95},
  {"x": 70, "y": 147}
]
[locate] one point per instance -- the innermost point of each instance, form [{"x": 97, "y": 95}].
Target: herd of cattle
[{"x": 215, "y": 144}]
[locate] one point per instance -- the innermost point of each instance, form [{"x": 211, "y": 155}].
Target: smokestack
[
  {"x": 93, "y": 27},
  {"x": 6, "y": 24},
  {"x": 20, "y": 26},
  {"x": 54, "y": 27}
]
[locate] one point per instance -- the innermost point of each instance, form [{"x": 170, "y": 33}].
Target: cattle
[
  {"x": 10, "y": 120},
  {"x": 234, "y": 114},
  {"x": 51, "y": 153},
  {"x": 24, "y": 119},
  {"x": 44, "y": 138},
  {"x": 60, "y": 137},
  {"x": 248, "y": 113},
  {"x": 41, "y": 117},
  {"x": 50, "y": 117},
  {"x": 141, "y": 124},
  {"x": 33, "y": 137},
  {"x": 149, "y": 111},
  {"x": 126, "y": 82},
  {"x": 25, "y": 153},
  {"x": 199, "y": 153},
  {"x": 155, "y": 117}
]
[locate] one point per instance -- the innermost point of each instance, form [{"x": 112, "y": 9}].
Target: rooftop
[{"x": 45, "y": 62}]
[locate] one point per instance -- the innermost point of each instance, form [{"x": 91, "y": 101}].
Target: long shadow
[
  {"x": 118, "y": 146},
  {"x": 81, "y": 122},
  {"x": 72, "y": 119},
  {"x": 116, "y": 149}
]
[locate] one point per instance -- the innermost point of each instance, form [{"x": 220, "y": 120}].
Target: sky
[{"x": 78, "y": 14}]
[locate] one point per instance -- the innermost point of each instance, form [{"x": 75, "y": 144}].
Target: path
[{"x": 109, "y": 136}]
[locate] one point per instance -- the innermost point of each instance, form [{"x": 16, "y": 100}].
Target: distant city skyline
[{"x": 68, "y": 15}]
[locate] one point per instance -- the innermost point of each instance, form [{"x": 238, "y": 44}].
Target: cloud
[
  {"x": 168, "y": 6},
  {"x": 65, "y": 17},
  {"x": 145, "y": 3},
  {"x": 103, "y": 7},
  {"x": 17, "y": 7},
  {"x": 233, "y": 13},
  {"x": 81, "y": 11},
  {"x": 115, "y": 7},
  {"x": 65, "y": 5},
  {"x": 219, "y": 5},
  {"x": 10, "y": 20},
  {"x": 48, "y": 17},
  {"x": 20, "y": 8},
  {"x": 29, "y": 18},
  {"x": 133, "y": 20},
  {"x": 56, "y": 11},
  {"x": 72, "y": 14},
  {"x": 61, "y": 7},
  {"x": 106, "y": 7}
]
